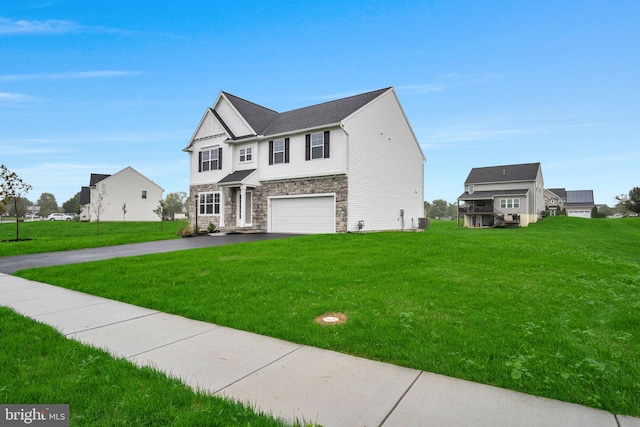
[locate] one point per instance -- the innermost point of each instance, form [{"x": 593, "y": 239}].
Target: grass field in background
[
  {"x": 54, "y": 236},
  {"x": 39, "y": 365},
  {"x": 552, "y": 309}
]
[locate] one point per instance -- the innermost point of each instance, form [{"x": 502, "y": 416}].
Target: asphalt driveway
[{"x": 11, "y": 264}]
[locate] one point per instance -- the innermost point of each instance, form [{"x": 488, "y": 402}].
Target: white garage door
[
  {"x": 303, "y": 215},
  {"x": 579, "y": 213}
]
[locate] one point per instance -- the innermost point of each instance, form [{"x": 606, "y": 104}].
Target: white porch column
[
  {"x": 241, "y": 206},
  {"x": 222, "y": 204}
]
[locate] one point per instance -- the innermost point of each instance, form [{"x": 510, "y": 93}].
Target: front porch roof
[
  {"x": 236, "y": 178},
  {"x": 490, "y": 195}
]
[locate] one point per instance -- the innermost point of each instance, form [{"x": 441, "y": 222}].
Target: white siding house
[
  {"x": 339, "y": 166},
  {"x": 109, "y": 193}
]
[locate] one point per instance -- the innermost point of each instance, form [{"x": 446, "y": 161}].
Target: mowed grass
[
  {"x": 41, "y": 366},
  {"x": 552, "y": 309},
  {"x": 55, "y": 236}
]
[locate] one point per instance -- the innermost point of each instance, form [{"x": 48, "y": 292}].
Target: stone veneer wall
[
  {"x": 203, "y": 220},
  {"x": 333, "y": 184},
  {"x": 261, "y": 194}
]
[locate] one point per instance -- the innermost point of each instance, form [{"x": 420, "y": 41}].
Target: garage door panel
[{"x": 303, "y": 215}]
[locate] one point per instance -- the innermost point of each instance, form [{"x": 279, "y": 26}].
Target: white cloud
[
  {"x": 69, "y": 75},
  {"x": 25, "y": 26},
  {"x": 17, "y": 97}
]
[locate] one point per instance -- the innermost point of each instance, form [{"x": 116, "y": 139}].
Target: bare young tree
[
  {"x": 99, "y": 205},
  {"x": 162, "y": 212},
  {"x": 12, "y": 187}
]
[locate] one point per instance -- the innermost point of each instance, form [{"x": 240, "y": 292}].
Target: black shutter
[
  {"x": 286, "y": 150},
  {"x": 199, "y": 161},
  {"x": 307, "y": 147},
  {"x": 326, "y": 144},
  {"x": 220, "y": 158},
  {"x": 270, "y": 152}
]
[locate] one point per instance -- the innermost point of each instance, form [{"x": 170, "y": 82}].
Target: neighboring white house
[
  {"x": 339, "y": 166},
  {"x": 496, "y": 196},
  {"x": 109, "y": 193}
]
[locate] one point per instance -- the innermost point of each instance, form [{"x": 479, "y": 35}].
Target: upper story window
[
  {"x": 210, "y": 159},
  {"x": 246, "y": 154},
  {"x": 279, "y": 151},
  {"x": 144, "y": 194},
  {"x": 471, "y": 188},
  {"x": 317, "y": 145}
]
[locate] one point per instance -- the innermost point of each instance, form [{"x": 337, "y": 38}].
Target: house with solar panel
[
  {"x": 579, "y": 203},
  {"x": 502, "y": 196},
  {"x": 346, "y": 165}
]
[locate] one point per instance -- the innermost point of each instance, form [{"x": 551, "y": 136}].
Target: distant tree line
[{"x": 440, "y": 208}]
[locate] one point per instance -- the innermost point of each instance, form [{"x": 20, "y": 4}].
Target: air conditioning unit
[{"x": 423, "y": 223}]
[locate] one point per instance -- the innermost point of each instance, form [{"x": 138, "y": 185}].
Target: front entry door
[{"x": 243, "y": 210}]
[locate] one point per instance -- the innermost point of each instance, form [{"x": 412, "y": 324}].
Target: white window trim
[
  {"x": 275, "y": 151},
  {"x": 213, "y": 203},
  {"x": 319, "y": 143}
]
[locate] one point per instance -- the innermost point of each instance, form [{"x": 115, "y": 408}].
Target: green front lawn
[
  {"x": 41, "y": 366},
  {"x": 55, "y": 236},
  {"x": 551, "y": 310}
]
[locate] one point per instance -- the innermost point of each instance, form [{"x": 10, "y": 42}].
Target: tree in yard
[
  {"x": 161, "y": 211},
  {"x": 47, "y": 203},
  {"x": 439, "y": 208},
  {"x": 99, "y": 203},
  {"x": 175, "y": 203},
  {"x": 13, "y": 188},
  {"x": 72, "y": 205},
  {"x": 630, "y": 202}
]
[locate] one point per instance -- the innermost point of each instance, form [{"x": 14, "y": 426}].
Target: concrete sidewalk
[{"x": 290, "y": 381}]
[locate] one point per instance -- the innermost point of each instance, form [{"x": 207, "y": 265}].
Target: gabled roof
[
  {"x": 257, "y": 116},
  {"x": 267, "y": 122},
  {"x": 236, "y": 177},
  {"x": 85, "y": 196},
  {"x": 580, "y": 197},
  {"x": 96, "y": 178},
  {"x": 327, "y": 113},
  {"x": 560, "y": 192},
  {"x": 521, "y": 172}
]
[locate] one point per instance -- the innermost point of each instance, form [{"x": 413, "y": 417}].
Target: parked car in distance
[
  {"x": 73, "y": 216},
  {"x": 59, "y": 217}
]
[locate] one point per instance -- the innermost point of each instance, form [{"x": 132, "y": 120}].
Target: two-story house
[
  {"x": 124, "y": 196},
  {"x": 345, "y": 165},
  {"x": 499, "y": 196},
  {"x": 555, "y": 199}
]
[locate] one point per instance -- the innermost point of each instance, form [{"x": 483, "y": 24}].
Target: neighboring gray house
[
  {"x": 579, "y": 203},
  {"x": 346, "y": 165},
  {"x": 555, "y": 199},
  {"x": 501, "y": 196}
]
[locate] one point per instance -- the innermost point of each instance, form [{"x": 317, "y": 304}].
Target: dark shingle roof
[
  {"x": 96, "y": 178},
  {"x": 236, "y": 176},
  {"x": 256, "y": 115},
  {"x": 483, "y": 195},
  {"x": 580, "y": 197},
  {"x": 560, "y": 192},
  {"x": 522, "y": 172},
  {"x": 85, "y": 196},
  {"x": 268, "y": 122}
]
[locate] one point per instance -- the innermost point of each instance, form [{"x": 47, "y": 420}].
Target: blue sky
[{"x": 93, "y": 86}]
